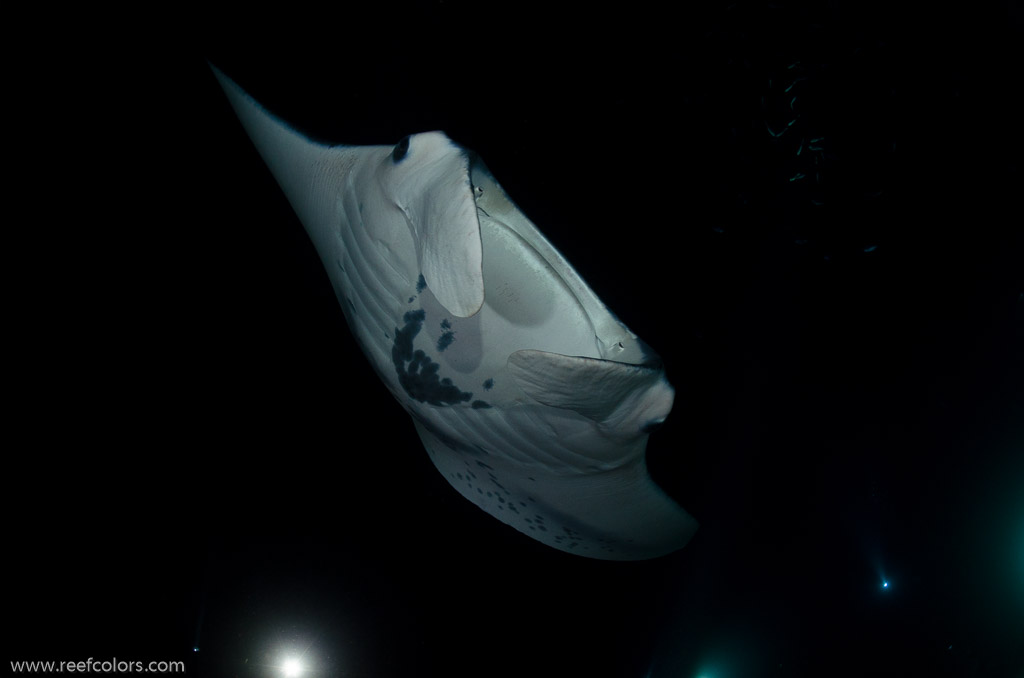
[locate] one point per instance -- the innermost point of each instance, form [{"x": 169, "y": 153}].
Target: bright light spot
[
  {"x": 291, "y": 667},
  {"x": 885, "y": 584}
]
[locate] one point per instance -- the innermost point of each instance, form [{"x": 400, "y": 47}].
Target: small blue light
[
  {"x": 885, "y": 584},
  {"x": 195, "y": 649}
]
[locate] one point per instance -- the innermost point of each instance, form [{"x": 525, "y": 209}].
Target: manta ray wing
[{"x": 530, "y": 397}]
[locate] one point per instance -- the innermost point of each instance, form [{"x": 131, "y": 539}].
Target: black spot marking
[
  {"x": 412, "y": 299},
  {"x": 489, "y": 384},
  {"x": 420, "y": 377},
  {"x": 480, "y": 405},
  {"x": 445, "y": 341},
  {"x": 401, "y": 150},
  {"x": 421, "y": 284},
  {"x": 483, "y": 465},
  {"x": 446, "y": 324}
]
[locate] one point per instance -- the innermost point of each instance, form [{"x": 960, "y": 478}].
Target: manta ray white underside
[{"x": 531, "y": 398}]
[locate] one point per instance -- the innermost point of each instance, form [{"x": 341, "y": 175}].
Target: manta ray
[{"x": 531, "y": 398}]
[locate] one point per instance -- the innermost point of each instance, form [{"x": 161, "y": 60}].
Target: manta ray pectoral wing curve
[
  {"x": 579, "y": 504},
  {"x": 293, "y": 159},
  {"x": 399, "y": 182},
  {"x": 532, "y": 399}
]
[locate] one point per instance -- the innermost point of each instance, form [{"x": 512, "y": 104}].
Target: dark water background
[{"x": 813, "y": 215}]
